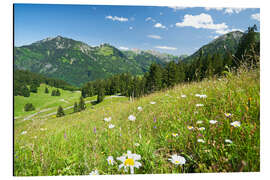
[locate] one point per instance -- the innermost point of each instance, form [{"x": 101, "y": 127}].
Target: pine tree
[
  {"x": 60, "y": 112},
  {"x": 46, "y": 90},
  {"x": 57, "y": 93},
  {"x": 25, "y": 91},
  {"x": 33, "y": 88},
  {"x": 154, "y": 78},
  {"x": 75, "y": 107},
  {"x": 53, "y": 93},
  {"x": 101, "y": 94},
  {"x": 81, "y": 104},
  {"x": 29, "y": 107}
]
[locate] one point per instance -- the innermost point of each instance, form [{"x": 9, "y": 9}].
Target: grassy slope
[{"x": 82, "y": 150}]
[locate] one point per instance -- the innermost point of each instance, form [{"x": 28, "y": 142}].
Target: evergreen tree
[
  {"x": 33, "y": 88},
  {"x": 57, "y": 92},
  {"x": 101, "y": 94},
  {"x": 154, "y": 78},
  {"x": 25, "y": 91},
  {"x": 46, "y": 90},
  {"x": 29, "y": 107},
  {"x": 60, "y": 112},
  {"x": 75, "y": 107},
  {"x": 171, "y": 74},
  {"x": 53, "y": 93},
  {"x": 81, "y": 104}
]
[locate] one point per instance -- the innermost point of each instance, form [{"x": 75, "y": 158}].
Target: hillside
[
  {"x": 76, "y": 62},
  {"x": 226, "y": 43},
  {"x": 177, "y": 123}
]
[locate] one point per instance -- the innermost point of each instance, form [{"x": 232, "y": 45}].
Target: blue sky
[{"x": 174, "y": 30}]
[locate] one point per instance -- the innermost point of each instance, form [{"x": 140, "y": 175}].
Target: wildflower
[
  {"x": 131, "y": 118},
  {"x": 24, "y": 132},
  {"x": 199, "y": 105},
  {"x": 137, "y": 144},
  {"x": 201, "y": 140},
  {"x": 236, "y": 124},
  {"x": 190, "y": 127},
  {"x": 183, "y": 96},
  {"x": 107, "y": 119},
  {"x": 139, "y": 108},
  {"x": 65, "y": 135},
  {"x": 196, "y": 112},
  {"x": 212, "y": 121},
  {"x": 178, "y": 160},
  {"x": 110, "y": 160},
  {"x": 202, "y": 128},
  {"x": 228, "y": 141},
  {"x": 155, "y": 127},
  {"x": 111, "y": 126},
  {"x": 199, "y": 122},
  {"x": 203, "y": 96},
  {"x": 152, "y": 102},
  {"x": 197, "y": 95},
  {"x": 174, "y": 134},
  {"x": 129, "y": 160},
  {"x": 228, "y": 114},
  {"x": 155, "y": 119},
  {"x": 43, "y": 129},
  {"x": 95, "y": 130},
  {"x": 94, "y": 172}
]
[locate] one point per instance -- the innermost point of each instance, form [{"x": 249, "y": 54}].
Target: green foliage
[
  {"x": 75, "y": 107},
  {"x": 33, "y": 88},
  {"x": 81, "y": 106},
  {"x": 29, "y": 107},
  {"x": 46, "y": 90},
  {"x": 101, "y": 94},
  {"x": 60, "y": 112}
]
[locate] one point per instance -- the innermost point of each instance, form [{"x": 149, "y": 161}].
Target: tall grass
[{"x": 79, "y": 143}]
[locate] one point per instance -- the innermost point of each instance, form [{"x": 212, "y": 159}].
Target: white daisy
[
  {"x": 178, "y": 160},
  {"x": 107, "y": 119},
  {"x": 129, "y": 160},
  {"x": 199, "y": 122},
  {"x": 24, "y": 132},
  {"x": 199, "y": 105},
  {"x": 111, "y": 126},
  {"x": 201, "y": 140},
  {"x": 183, "y": 96},
  {"x": 137, "y": 144},
  {"x": 190, "y": 127},
  {"x": 202, "y": 128},
  {"x": 174, "y": 134},
  {"x": 228, "y": 141},
  {"x": 203, "y": 96},
  {"x": 236, "y": 124},
  {"x": 152, "y": 102},
  {"x": 228, "y": 114},
  {"x": 131, "y": 118},
  {"x": 212, "y": 121},
  {"x": 110, "y": 160},
  {"x": 139, "y": 108},
  {"x": 94, "y": 172},
  {"x": 197, "y": 95}
]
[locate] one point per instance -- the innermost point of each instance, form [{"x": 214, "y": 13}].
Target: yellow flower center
[
  {"x": 110, "y": 161},
  {"x": 129, "y": 162},
  {"x": 177, "y": 162}
]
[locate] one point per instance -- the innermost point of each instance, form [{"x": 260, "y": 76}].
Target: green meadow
[{"x": 78, "y": 143}]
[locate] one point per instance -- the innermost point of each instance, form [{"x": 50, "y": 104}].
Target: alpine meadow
[{"x": 113, "y": 90}]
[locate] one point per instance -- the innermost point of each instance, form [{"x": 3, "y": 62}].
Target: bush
[
  {"x": 29, "y": 107},
  {"x": 60, "y": 112}
]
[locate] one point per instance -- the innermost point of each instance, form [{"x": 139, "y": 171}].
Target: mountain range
[{"x": 76, "y": 62}]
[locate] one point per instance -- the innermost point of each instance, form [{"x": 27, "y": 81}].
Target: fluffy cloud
[
  {"x": 226, "y": 10},
  {"x": 150, "y": 19},
  {"x": 159, "y": 25},
  {"x": 115, "y": 18},
  {"x": 256, "y": 16},
  {"x": 175, "y": 8},
  {"x": 225, "y": 31},
  {"x": 203, "y": 21},
  {"x": 166, "y": 48},
  {"x": 123, "y": 48},
  {"x": 154, "y": 36}
]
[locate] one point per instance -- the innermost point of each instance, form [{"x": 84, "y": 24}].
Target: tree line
[{"x": 161, "y": 77}]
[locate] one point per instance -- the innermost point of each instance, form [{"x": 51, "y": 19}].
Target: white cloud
[
  {"x": 115, "y": 18},
  {"x": 203, "y": 21},
  {"x": 256, "y": 16},
  {"x": 225, "y": 31},
  {"x": 175, "y": 8},
  {"x": 150, "y": 19},
  {"x": 166, "y": 48},
  {"x": 123, "y": 48},
  {"x": 154, "y": 36},
  {"x": 226, "y": 10},
  {"x": 233, "y": 10},
  {"x": 159, "y": 25}
]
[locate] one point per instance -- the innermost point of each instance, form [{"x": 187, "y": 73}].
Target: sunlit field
[{"x": 207, "y": 126}]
